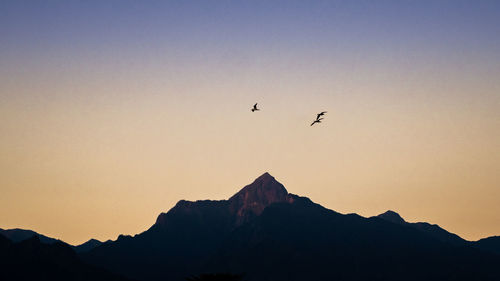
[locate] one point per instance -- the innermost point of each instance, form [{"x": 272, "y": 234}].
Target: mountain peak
[
  {"x": 392, "y": 217},
  {"x": 18, "y": 235},
  {"x": 255, "y": 197},
  {"x": 265, "y": 176},
  {"x": 263, "y": 188},
  {"x": 87, "y": 246},
  {"x": 247, "y": 203}
]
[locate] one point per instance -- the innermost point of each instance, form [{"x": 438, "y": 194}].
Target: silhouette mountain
[
  {"x": 392, "y": 217},
  {"x": 18, "y": 235},
  {"x": 87, "y": 246},
  {"x": 31, "y": 259},
  {"x": 430, "y": 229},
  {"x": 491, "y": 244},
  {"x": 267, "y": 233}
]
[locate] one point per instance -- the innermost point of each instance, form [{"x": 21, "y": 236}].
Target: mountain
[
  {"x": 491, "y": 244},
  {"x": 430, "y": 229},
  {"x": 18, "y": 235},
  {"x": 31, "y": 259},
  {"x": 393, "y": 217},
  {"x": 87, "y": 246},
  {"x": 187, "y": 235},
  {"x": 266, "y": 233},
  {"x": 251, "y": 201}
]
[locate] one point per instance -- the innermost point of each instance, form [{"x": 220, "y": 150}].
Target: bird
[
  {"x": 320, "y": 114},
  {"x": 255, "y": 108},
  {"x": 318, "y": 120}
]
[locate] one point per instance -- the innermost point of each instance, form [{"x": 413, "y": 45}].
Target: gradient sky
[{"x": 112, "y": 111}]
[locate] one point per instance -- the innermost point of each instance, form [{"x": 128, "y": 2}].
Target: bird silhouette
[
  {"x": 316, "y": 121},
  {"x": 320, "y": 114},
  {"x": 255, "y": 108}
]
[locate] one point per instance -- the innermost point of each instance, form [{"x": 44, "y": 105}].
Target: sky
[{"x": 112, "y": 111}]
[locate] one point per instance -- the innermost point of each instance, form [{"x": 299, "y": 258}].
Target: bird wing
[{"x": 255, "y": 106}]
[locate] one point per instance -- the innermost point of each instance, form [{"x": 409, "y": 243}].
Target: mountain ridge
[
  {"x": 31, "y": 259},
  {"x": 270, "y": 234},
  {"x": 433, "y": 230},
  {"x": 18, "y": 235}
]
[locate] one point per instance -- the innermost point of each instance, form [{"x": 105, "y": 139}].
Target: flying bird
[
  {"x": 318, "y": 120},
  {"x": 320, "y": 114},
  {"x": 255, "y": 108}
]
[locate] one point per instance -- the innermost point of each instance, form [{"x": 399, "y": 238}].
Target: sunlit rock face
[
  {"x": 255, "y": 197},
  {"x": 247, "y": 203}
]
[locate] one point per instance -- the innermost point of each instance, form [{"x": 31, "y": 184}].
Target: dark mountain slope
[
  {"x": 87, "y": 246},
  {"x": 305, "y": 242},
  {"x": 18, "y": 235},
  {"x": 32, "y": 260},
  {"x": 430, "y": 229},
  {"x": 490, "y": 244}
]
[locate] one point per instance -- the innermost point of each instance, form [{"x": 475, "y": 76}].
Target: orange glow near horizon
[
  {"x": 102, "y": 129},
  {"x": 77, "y": 170}
]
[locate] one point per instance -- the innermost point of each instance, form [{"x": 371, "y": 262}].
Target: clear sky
[{"x": 112, "y": 111}]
